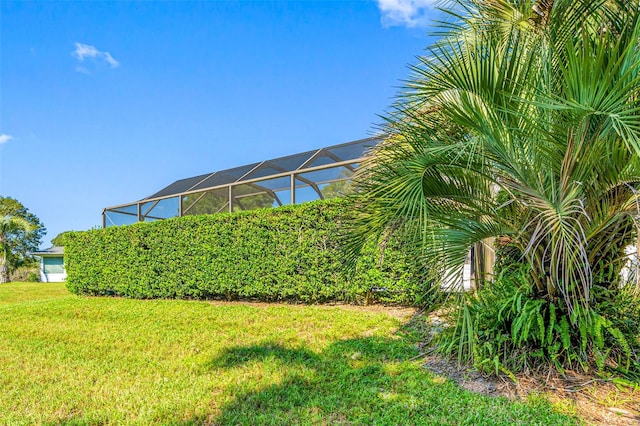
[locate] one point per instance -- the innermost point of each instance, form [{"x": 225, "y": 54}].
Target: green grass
[{"x": 75, "y": 360}]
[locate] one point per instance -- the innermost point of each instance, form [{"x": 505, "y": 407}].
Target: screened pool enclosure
[{"x": 311, "y": 175}]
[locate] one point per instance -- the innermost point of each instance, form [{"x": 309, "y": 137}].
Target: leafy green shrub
[
  {"x": 505, "y": 327},
  {"x": 29, "y": 273},
  {"x": 292, "y": 253}
]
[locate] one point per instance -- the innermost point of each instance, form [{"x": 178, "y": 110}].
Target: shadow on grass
[{"x": 364, "y": 381}]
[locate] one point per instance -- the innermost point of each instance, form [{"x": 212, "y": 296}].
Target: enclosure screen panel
[
  {"x": 118, "y": 216},
  {"x": 322, "y": 159},
  {"x": 329, "y": 175},
  {"x": 292, "y": 162},
  {"x": 278, "y": 188},
  {"x": 249, "y": 197},
  {"x": 207, "y": 202},
  {"x": 179, "y": 186},
  {"x": 226, "y": 176},
  {"x": 351, "y": 151},
  {"x": 160, "y": 209},
  {"x": 306, "y": 192}
]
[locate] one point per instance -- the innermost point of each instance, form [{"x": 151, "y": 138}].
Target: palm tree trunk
[
  {"x": 4, "y": 273},
  {"x": 637, "y": 262},
  {"x": 4, "y": 268},
  {"x": 484, "y": 258}
]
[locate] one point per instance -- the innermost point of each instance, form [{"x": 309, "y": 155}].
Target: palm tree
[
  {"x": 8, "y": 225},
  {"x": 522, "y": 122}
]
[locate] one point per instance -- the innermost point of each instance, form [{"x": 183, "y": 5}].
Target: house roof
[{"x": 51, "y": 251}]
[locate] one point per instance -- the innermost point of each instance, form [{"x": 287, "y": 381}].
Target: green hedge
[{"x": 290, "y": 253}]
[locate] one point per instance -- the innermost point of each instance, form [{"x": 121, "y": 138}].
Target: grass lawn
[{"x": 75, "y": 360}]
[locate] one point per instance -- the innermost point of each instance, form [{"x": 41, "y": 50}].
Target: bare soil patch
[{"x": 597, "y": 401}]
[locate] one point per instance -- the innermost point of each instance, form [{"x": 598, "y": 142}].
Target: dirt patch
[
  {"x": 467, "y": 378},
  {"x": 597, "y": 401}
]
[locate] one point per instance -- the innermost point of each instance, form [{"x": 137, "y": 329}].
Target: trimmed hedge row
[{"x": 290, "y": 253}]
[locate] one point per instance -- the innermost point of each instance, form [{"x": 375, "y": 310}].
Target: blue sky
[{"x": 104, "y": 103}]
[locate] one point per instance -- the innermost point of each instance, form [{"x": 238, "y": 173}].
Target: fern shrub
[{"x": 506, "y": 328}]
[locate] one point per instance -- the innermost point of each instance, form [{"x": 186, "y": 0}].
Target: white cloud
[
  {"x": 86, "y": 51},
  {"x": 4, "y": 138},
  {"x": 410, "y": 13}
]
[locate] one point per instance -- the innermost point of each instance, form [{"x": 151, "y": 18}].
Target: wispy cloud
[
  {"x": 409, "y": 13},
  {"x": 89, "y": 54},
  {"x": 4, "y": 138}
]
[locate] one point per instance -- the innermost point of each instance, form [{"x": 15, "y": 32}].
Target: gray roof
[{"x": 51, "y": 251}]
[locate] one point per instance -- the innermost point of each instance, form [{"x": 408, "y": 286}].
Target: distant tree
[
  {"x": 9, "y": 225},
  {"x": 20, "y": 234},
  {"x": 58, "y": 240}
]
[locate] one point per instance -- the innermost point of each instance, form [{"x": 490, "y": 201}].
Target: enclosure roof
[{"x": 324, "y": 156}]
